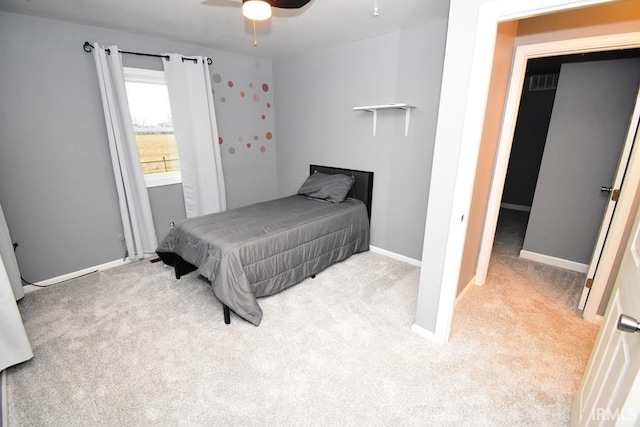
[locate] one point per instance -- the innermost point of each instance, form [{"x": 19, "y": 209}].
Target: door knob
[
  {"x": 628, "y": 324},
  {"x": 607, "y": 189}
]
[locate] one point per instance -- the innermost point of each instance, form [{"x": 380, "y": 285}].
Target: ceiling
[{"x": 219, "y": 24}]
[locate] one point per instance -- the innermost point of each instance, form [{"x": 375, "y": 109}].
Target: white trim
[
  {"x": 163, "y": 178},
  {"x": 554, "y": 261},
  {"x": 74, "y": 274},
  {"x": 394, "y": 255},
  {"x": 3, "y": 407},
  {"x": 515, "y": 207},
  {"x": 598, "y": 319},
  {"x": 466, "y": 289},
  {"x": 508, "y": 10},
  {"x": 489, "y": 15},
  {"x": 422, "y": 332}
]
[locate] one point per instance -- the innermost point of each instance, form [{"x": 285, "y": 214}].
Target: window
[{"x": 151, "y": 116}]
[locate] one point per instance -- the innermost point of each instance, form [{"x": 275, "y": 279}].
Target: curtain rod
[{"x": 88, "y": 46}]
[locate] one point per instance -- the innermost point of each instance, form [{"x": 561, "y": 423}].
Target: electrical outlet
[{"x": 172, "y": 224}]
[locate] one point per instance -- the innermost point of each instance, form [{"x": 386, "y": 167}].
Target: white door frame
[{"x": 522, "y": 55}]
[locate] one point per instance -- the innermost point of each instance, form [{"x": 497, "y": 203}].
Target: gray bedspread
[{"x": 261, "y": 249}]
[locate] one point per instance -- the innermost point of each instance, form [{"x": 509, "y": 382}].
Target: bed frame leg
[
  {"x": 227, "y": 317},
  {"x": 176, "y": 266},
  {"x": 313, "y": 276}
]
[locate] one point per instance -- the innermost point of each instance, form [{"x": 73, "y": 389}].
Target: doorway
[
  {"x": 586, "y": 132},
  {"x": 522, "y": 56},
  {"x": 471, "y": 54}
]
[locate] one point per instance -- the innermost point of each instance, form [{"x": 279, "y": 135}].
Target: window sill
[{"x": 161, "y": 179}]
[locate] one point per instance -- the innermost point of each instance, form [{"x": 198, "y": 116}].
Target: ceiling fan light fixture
[{"x": 257, "y": 10}]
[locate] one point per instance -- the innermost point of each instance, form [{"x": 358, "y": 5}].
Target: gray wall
[
  {"x": 56, "y": 182},
  {"x": 590, "y": 119},
  {"x": 315, "y": 96},
  {"x": 167, "y": 205}
]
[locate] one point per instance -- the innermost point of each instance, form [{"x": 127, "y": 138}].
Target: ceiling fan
[{"x": 259, "y": 10}]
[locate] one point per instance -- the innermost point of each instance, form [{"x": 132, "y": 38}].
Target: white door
[
  {"x": 614, "y": 190},
  {"x": 610, "y": 389}
]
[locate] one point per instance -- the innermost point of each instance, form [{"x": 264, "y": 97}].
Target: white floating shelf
[{"x": 374, "y": 109}]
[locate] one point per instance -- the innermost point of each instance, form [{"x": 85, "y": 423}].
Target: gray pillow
[{"x": 333, "y": 188}]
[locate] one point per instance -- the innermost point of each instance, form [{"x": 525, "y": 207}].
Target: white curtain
[
  {"x": 9, "y": 257},
  {"x": 135, "y": 209},
  {"x": 196, "y": 130},
  {"x": 14, "y": 343}
]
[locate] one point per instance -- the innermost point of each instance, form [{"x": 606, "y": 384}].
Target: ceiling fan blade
[
  {"x": 222, "y": 3},
  {"x": 288, "y": 4}
]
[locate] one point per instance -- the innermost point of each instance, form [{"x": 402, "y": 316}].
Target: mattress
[{"x": 262, "y": 249}]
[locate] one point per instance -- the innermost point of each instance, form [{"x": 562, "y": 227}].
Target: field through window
[
  {"x": 152, "y": 121},
  {"x": 158, "y": 152}
]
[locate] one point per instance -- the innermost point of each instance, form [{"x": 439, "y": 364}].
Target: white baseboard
[
  {"x": 74, "y": 274},
  {"x": 422, "y": 332},
  {"x": 465, "y": 290},
  {"x": 515, "y": 207},
  {"x": 598, "y": 320},
  {"x": 3, "y": 403},
  {"x": 556, "y": 262},
  {"x": 394, "y": 255}
]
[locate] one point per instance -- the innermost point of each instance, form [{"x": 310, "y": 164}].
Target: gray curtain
[{"x": 14, "y": 343}]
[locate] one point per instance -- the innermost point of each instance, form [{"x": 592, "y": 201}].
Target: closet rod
[{"x": 88, "y": 46}]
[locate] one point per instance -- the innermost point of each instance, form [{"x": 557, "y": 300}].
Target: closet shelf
[{"x": 374, "y": 109}]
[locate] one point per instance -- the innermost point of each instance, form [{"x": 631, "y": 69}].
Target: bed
[{"x": 264, "y": 248}]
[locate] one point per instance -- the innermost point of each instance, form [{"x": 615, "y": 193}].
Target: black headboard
[{"x": 362, "y": 188}]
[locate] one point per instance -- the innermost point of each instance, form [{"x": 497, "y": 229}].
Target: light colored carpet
[{"x": 134, "y": 346}]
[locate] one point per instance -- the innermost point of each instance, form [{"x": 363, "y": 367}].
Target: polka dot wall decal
[
  {"x": 217, "y": 78},
  {"x": 262, "y": 149},
  {"x": 220, "y": 140},
  {"x": 250, "y": 85},
  {"x": 223, "y": 99},
  {"x": 269, "y": 135},
  {"x": 248, "y": 145},
  {"x": 255, "y": 138},
  {"x": 256, "y": 98},
  {"x": 268, "y": 105},
  {"x": 242, "y": 94},
  {"x": 230, "y": 83},
  {"x": 265, "y": 87},
  {"x": 213, "y": 91},
  {"x": 232, "y": 150},
  {"x": 263, "y": 117},
  {"x": 240, "y": 139}
]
